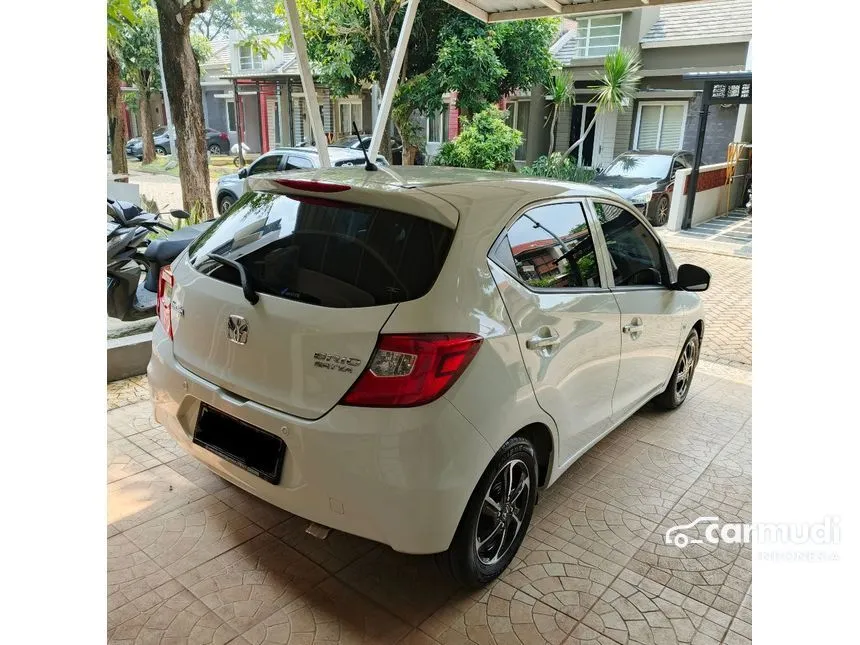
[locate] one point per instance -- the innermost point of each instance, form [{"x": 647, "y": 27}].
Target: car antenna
[{"x": 368, "y": 165}]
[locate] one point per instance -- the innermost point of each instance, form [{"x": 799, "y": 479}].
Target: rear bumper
[{"x": 399, "y": 476}]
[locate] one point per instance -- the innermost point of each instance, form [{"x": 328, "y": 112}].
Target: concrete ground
[{"x": 193, "y": 559}]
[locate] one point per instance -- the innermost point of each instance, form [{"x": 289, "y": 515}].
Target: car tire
[
  {"x": 161, "y": 152},
  {"x": 682, "y": 375},
  {"x": 214, "y": 149},
  {"x": 661, "y": 211},
  {"x": 482, "y": 547},
  {"x": 225, "y": 203}
]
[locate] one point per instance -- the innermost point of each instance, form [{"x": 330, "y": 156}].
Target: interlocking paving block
[
  {"x": 168, "y": 615},
  {"x": 198, "y": 474},
  {"x": 192, "y": 534},
  {"x": 132, "y": 419},
  {"x": 136, "y": 499},
  {"x": 124, "y": 459},
  {"x": 249, "y": 583},
  {"x": 409, "y": 586},
  {"x": 637, "y": 610},
  {"x": 499, "y": 614},
  {"x": 130, "y": 572},
  {"x": 335, "y": 552},
  {"x": 260, "y": 512},
  {"x": 329, "y": 613},
  {"x": 127, "y": 391},
  {"x": 158, "y": 443}
]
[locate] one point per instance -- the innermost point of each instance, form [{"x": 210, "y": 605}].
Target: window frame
[
  {"x": 587, "y": 36},
  {"x": 256, "y": 59},
  {"x": 666, "y": 266},
  {"x": 266, "y": 156},
  {"x": 662, "y": 105},
  {"x": 352, "y": 102},
  {"x": 513, "y": 107},
  {"x": 501, "y": 247},
  {"x": 446, "y": 110}
]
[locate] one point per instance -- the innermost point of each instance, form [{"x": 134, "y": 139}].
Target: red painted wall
[{"x": 453, "y": 118}]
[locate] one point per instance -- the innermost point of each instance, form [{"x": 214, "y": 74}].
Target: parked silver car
[{"x": 231, "y": 187}]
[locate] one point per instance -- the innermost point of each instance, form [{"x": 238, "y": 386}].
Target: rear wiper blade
[{"x": 247, "y": 288}]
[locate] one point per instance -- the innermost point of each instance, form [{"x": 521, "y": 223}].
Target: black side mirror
[
  {"x": 180, "y": 214},
  {"x": 243, "y": 172},
  {"x": 692, "y": 278}
]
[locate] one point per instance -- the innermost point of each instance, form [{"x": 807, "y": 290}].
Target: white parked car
[{"x": 410, "y": 356}]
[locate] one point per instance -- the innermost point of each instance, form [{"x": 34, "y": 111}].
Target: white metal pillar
[
  {"x": 379, "y": 130},
  {"x": 307, "y": 81}
]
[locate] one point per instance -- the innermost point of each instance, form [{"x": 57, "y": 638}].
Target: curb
[{"x": 128, "y": 356}]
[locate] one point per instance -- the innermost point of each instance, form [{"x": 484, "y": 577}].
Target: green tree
[
  {"x": 139, "y": 58},
  {"x": 485, "y": 142},
  {"x": 352, "y": 44},
  {"x": 560, "y": 92},
  {"x": 120, "y": 13},
  {"x": 253, "y": 17},
  {"x": 182, "y": 76},
  {"x": 616, "y": 87}
]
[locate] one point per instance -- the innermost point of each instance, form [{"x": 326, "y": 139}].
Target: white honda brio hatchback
[{"x": 411, "y": 356}]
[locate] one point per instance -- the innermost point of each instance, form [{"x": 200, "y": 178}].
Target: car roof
[
  {"x": 481, "y": 194},
  {"x": 334, "y": 153}
]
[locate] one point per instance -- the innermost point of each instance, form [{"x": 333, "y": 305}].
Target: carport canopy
[{"x": 484, "y": 10}]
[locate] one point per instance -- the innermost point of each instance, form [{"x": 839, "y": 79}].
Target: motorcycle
[{"x": 132, "y": 255}]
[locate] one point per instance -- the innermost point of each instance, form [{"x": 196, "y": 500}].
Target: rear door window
[
  {"x": 294, "y": 162},
  {"x": 265, "y": 164},
  {"x": 324, "y": 252}
]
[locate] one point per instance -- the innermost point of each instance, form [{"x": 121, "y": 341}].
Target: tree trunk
[
  {"x": 145, "y": 126},
  {"x": 116, "y": 124},
  {"x": 579, "y": 141},
  {"x": 186, "y": 102},
  {"x": 379, "y": 30},
  {"x": 552, "y": 130},
  {"x": 409, "y": 153}
]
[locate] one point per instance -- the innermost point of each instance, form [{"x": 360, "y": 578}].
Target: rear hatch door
[{"x": 328, "y": 275}]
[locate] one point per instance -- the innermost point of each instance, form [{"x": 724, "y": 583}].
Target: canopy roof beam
[
  {"x": 379, "y": 129},
  {"x": 301, "y": 50}
]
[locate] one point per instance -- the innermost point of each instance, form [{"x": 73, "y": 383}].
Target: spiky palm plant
[
  {"x": 560, "y": 91},
  {"x": 616, "y": 87}
]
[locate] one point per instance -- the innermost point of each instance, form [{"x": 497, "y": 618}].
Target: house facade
[
  {"x": 672, "y": 40},
  {"x": 271, "y": 110}
]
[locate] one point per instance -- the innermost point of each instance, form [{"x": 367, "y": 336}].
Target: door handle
[
  {"x": 634, "y": 328},
  {"x": 539, "y": 342}
]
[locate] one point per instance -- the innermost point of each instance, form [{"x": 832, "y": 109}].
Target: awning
[{"x": 501, "y": 10}]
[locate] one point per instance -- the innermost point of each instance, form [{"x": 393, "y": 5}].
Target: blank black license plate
[{"x": 257, "y": 451}]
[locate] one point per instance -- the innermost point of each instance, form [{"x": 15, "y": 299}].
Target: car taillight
[
  {"x": 412, "y": 369},
  {"x": 224, "y": 136},
  {"x": 165, "y": 294}
]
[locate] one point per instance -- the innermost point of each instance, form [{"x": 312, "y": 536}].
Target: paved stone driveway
[{"x": 192, "y": 559}]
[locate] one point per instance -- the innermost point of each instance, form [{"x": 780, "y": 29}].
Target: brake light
[
  {"x": 163, "y": 303},
  {"x": 224, "y": 136},
  {"x": 312, "y": 186},
  {"x": 412, "y": 369}
]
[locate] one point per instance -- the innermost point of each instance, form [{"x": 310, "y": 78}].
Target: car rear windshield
[{"x": 324, "y": 252}]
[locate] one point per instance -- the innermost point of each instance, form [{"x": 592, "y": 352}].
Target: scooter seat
[{"x": 165, "y": 250}]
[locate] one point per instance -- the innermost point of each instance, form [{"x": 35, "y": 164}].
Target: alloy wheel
[
  {"x": 502, "y": 512},
  {"x": 686, "y": 366},
  {"x": 662, "y": 211}
]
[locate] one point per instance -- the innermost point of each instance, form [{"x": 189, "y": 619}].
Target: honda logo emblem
[{"x": 237, "y": 329}]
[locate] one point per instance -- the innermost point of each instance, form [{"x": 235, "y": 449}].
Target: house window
[
  {"x": 518, "y": 118},
  {"x": 231, "y": 116},
  {"x": 597, "y": 36},
  {"x": 347, "y": 113},
  {"x": 437, "y": 126},
  {"x": 250, "y": 59},
  {"x": 660, "y": 126}
]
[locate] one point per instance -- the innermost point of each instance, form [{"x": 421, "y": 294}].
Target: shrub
[
  {"x": 557, "y": 166},
  {"x": 484, "y": 142}
]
